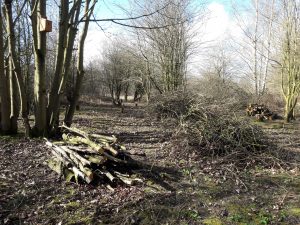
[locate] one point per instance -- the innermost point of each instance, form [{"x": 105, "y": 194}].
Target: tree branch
[{"x": 130, "y": 18}]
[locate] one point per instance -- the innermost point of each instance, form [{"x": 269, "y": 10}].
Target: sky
[{"x": 219, "y": 25}]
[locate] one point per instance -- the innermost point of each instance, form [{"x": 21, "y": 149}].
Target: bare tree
[
  {"x": 170, "y": 45},
  {"x": 255, "y": 49},
  {"x": 290, "y": 63},
  {"x": 88, "y": 11}
]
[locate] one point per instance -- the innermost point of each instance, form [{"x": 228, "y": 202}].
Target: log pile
[
  {"x": 82, "y": 156},
  {"x": 261, "y": 112}
]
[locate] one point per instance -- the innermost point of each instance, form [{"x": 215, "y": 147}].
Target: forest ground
[{"x": 174, "y": 191}]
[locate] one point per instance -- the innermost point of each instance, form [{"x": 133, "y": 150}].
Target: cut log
[
  {"x": 76, "y": 155},
  {"x": 96, "y": 159},
  {"x": 79, "y": 173},
  {"x": 82, "y": 149},
  {"x": 61, "y": 155},
  {"x": 56, "y": 165},
  {"x": 81, "y": 140},
  {"x": 76, "y": 131},
  {"x": 60, "y": 158},
  {"x": 111, "y": 150},
  {"x": 260, "y": 112},
  {"x": 107, "y": 174},
  {"x": 101, "y": 138},
  {"x": 73, "y": 159},
  {"x": 83, "y": 155},
  {"x": 127, "y": 180}
]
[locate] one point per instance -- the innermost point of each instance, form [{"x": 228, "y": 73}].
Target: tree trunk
[
  {"x": 14, "y": 99},
  {"x": 39, "y": 39},
  {"x": 65, "y": 72},
  {"x": 290, "y": 105},
  {"x": 4, "y": 87},
  {"x": 15, "y": 71},
  {"x": 62, "y": 44},
  {"x": 80, "y": 70},
  {"x": 63, "y": 60},
  {"x": 126, "y": 90}
]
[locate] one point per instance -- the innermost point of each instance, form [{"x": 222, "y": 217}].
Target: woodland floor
[{"x": 174, "y": 191}]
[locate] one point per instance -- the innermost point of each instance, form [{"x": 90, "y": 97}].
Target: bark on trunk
[
  {"x": 65, "y": 72},
  {"x": 62, "y": 44},
  {"x": 4, "y": 87},
  {"x": 40, "y": 68},
  {"x": 80, "y": 70},
  {"x": 14, "y": 98},
  {"x": 290, "y": 110},
  {"x": 64, "y": 56},
  {"x": 18, "y": 87}
]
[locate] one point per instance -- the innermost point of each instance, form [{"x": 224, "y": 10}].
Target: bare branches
[
  {"x": 142, "y": 16},
  {"x": 20, "y": 12},
  {"x": 142, "y": 27},
  {"x": 131, "y": 18}
]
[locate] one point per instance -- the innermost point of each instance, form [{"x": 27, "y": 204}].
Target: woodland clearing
[{"x": 174, "y": 191}]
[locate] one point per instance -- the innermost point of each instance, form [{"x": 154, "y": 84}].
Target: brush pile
[
  {"x": 210, "y": 129},
  {"x": 172, "y": 105},
  {"x": 217, "y": 134},
  {"x": 84, "y": 156}
]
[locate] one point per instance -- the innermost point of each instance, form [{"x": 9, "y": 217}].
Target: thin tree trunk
[
  {"x": 62, "y": 44},
  {"x": 4, "y": 87},
  {"x": 270, "y": 32},
  {"x": 80, "y": 70},
  {"x": 65, "y": 72},
  {"x": 14, "y": 98},
  {"x": 62, "y": 70},
  {"x": 15, "y": 70},
  {"x": 256, "y": 78}
]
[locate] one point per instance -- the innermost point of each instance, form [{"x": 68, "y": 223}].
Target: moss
[
  {"x": 72, "y": 205},
  {"x": 282, "y": 179},
  {"x": 275, "y": 125},
  {"x": 79, "y": 217},
  {"x": 212, "y": 221},
  {"x": 70, "y": 192},
  {"x": 247, "y": 214},
  {"x": 294, "y": 211},
  {"x": 11, "y": 138}
]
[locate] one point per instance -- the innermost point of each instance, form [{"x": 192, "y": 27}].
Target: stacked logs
[
  {"x": 260, "y": 112},
  {"x": 83, "y": 156}
]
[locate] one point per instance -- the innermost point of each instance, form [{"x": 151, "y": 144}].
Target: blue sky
[{"x": 112, "y": 8}]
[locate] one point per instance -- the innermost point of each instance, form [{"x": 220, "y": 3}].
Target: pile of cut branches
[
  {"x": 218, "y": 133},
  {"x": 79, "y": 155},
  {"x": 212, "y": 129},
  {"x": 261, "y": 112},
  {"x": 172, "y": 105}
]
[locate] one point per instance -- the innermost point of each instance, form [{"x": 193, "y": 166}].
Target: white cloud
[
  {"x": 217, "y": 24},
  {"x": 95, "y": 40},
  {"x": 218, "y": 31}
]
